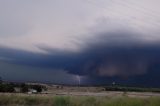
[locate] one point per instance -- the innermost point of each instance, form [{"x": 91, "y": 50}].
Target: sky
[{"x": 80, "y": 41}]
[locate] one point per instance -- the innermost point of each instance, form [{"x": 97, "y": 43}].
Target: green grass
[{"x": 15, "y": 100}]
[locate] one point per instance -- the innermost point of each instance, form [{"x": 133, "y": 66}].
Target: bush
[
  {"x": 6, "y": 88},
  {"x": 24, "y": 88},
  {"x": 61, "y": 101},
  {"x": 37, "y": 87}
]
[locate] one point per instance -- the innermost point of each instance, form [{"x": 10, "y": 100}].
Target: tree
[
  {"x": 6, "y": 88},
  {"x": 37, "y": 87},
  {"x": 1, "y": 80},
  {"x": 24, "y": 88}
]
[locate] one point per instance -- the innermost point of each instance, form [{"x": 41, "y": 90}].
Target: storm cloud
[
  {"x": 120, "y": 54},
  {"x": 103, "y": 41}
]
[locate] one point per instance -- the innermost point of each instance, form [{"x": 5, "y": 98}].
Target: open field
[
  {"x": 81, "y": 99},
  {"x": 60, "y": 95}
]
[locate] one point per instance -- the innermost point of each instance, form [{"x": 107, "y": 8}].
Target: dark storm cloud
[{"x": 111, "y": 54}]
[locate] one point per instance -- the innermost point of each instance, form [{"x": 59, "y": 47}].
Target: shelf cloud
[{"x": 95, "y": 39}]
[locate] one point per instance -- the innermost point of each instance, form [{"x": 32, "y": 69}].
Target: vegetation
[
  {"x": 38, "y": 88},
  {"x": 15, "y": 100},
  {"x": 131, "y": 89},
  {"x": 6, "y": 88},
  {"x": 24, "y": 88}
]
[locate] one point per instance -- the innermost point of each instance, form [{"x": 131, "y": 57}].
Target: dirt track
[
  {"x": 95, "y": 94},
  {"x": 111, "y": 94}
]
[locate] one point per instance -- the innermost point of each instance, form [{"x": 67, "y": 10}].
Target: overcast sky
[{"x": 51, "y": 40}]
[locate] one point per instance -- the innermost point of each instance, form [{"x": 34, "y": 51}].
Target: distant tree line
[
  {"x": 23, "y": 88},
  {"x": 131, "y": 89},
  {"x": 6, "y": 88}
]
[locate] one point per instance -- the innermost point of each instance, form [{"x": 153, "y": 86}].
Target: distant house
[
  {"x": 17, "y": 89},
  {"x": 59, "y": 87},
  {"x": 32, "y": 91}
]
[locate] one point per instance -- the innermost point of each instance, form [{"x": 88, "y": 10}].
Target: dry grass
[{"x": 25, "y": 100}]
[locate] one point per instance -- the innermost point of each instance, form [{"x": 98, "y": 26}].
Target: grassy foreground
[{"x": 17, "y": 100}]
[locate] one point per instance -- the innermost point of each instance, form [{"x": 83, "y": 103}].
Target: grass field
[{"x": 26, "y": 100}]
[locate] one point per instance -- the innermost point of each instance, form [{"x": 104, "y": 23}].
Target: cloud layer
[
  {"x": 120, "y": 54},
  {"x": 102, "y": 40}
]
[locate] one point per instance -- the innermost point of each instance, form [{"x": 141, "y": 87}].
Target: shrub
[
  {"x": 24, "y": 88},
  {"x": 61, "y": 101},
  {"x": 6, "y": 88}
]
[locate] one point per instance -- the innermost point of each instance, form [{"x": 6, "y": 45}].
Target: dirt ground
[
  {"x": 54, "y": 90},
  {"x": 93, "y": 94}
]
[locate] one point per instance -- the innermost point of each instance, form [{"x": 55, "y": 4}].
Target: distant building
[
  {"x": 17, "y": 89},
  {"x": 32, "y": 91}
]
